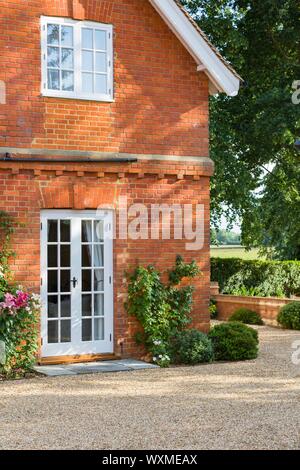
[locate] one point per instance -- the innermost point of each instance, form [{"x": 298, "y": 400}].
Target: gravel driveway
[{"x": 247, "y": 405}]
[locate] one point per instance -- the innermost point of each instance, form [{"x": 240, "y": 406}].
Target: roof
[{"x": 223, "y": 78}]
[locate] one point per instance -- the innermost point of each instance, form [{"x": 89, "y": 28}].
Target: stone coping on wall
[{"x": 178, "y": 167}]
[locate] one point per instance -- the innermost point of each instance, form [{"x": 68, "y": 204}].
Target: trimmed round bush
[
  {"x": 234, "y": 341},
  {"x": 289, "y": 316},
  {"x": 191, "y": 347},
  {"x": 244, "y": 315}
]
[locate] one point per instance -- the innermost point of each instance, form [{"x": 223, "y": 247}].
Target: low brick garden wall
[{"x": 267, "y": 307}]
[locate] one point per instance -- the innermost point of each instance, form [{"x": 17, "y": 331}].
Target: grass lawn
[{"x": 234, "y": 252}]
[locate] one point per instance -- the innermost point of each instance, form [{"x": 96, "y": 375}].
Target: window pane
[
  {"x": 86, "y": 280},
  {"x": 86, "y": 231},
  {"x": 87, "y": 256},
  {"x": 100, "y": 40},
  {"x": 87, "y": 329},
  {"x": 53, "y": 57},
  {"x": 87, "y": 83},
  {"x": 99, "y": 280},
  {"x": 67, "y": 61},
  {"x": 67, "y": 81},
  {"x": 65, "y": 233},
  {"x": 101, "y": 84},
  {"x": 53, "y": 80},
  {"x": 52, "y": 332},
  {"x": 87, "y": 38},
  {"x": 99, "y": 305},
  {"x": 52, "y": 306},
  {"x": 53, "y": 34},
  {"x": 98, "y": 231},
  {"x": 65, "y": 281},
  {"x": 87, "y": 61},
  {"x": 52, "y": 231},
  {"x": 67, "y": 36},
  {"x": 52, "y": 281},
  {"x": 87, "y": 305},
  {"x": 99, "y": 329},
  {"x": 65, "y": 333},
  {"x": 52, "y": 256},
  {"x": 100, "y": 62},
  {"x": 65, "y": 256},
  {"x": 98, "y": 256},
  {"x": 65, "y": 306}
]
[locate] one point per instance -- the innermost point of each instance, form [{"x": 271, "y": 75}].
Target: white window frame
[{"x": 77, "y": 93}]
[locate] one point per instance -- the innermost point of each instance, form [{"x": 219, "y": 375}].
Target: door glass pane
[
  {"x": 87, "y": 82},
  {"x": 86, "y": 231},
  {"x": 53, "y": 331},
  {"x": 53, "y": 34},
  {"x": 87, "y": 329},
  {"x": 87, "y": 305},
  {"x": 87, "y": 38},
  {"x": 99, "y": 329},
  {"x": 65, "y": 256},
  {"x": 87, "y": 256},
  {"x": 100, "y": 40},
  {"x": 98, "y": 231},
  {"x": 65, "y": 281},
  {"x": 98, "y": 280},
  {"x": 65, "y": 306},
  {"x": 86, "y": 280},
  {"x": 53, "y": 306},
  {"x": 99, "y": 305},
  {"x": 52, "y": 231},
  {"x": 65, "y": 231},
  {"x": 98, "y": 256},
  {"x": 67, "y": 36},
  {"x": 65, "y": 331},
  {"x": 101, "y": 84},
  {"x": 52, "y": 256},
  {"x": 52, "y": 281}
]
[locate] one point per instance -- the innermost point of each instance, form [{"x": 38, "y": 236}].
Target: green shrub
[
  {"x": 213, "y": 309},
  {"x": 254, "y": 277},
  {"x": 289, "y": 316},
  {"x": 234, "y": 342},
  {"x": 244, "y": 315},
  {"x": 162, "y": 309},
  {"x": 191, "y": 347}
]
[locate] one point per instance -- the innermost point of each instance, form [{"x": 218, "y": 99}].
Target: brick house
[{"x": 101, "y": 100}]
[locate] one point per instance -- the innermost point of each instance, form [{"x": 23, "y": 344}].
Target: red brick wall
[
  {"x": 24, "y": 194},
  {"x": 161, "y": 101}
]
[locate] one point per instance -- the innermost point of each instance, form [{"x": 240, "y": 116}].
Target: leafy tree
[{"x": 252, "y": 135}]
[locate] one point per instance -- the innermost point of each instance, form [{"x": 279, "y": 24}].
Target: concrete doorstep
[{"x": 123, "y": 365}]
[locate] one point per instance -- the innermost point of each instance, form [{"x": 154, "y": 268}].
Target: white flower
[
  {"x": 160, "y": 356},
  {"x": 1, "y": 271},
  {"x": 157, "y": 343},
  {"x": 154, "y": 359}
]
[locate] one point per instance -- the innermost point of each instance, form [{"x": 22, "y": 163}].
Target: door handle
[{"x": 74, "y": 281}]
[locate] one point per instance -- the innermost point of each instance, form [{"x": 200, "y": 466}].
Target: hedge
[{"x": 257, "y": 278}]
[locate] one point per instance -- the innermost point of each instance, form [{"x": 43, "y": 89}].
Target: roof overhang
[{"x": 221, "y": 75}]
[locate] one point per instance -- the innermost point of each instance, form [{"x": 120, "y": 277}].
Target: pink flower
[
  {"x": 22, "y": 299},
  {"x": 9, "y": 301}
]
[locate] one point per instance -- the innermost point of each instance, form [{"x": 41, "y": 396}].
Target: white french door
[{"x": 76, "y": 282}]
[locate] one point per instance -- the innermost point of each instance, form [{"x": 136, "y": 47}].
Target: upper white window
[{"x": 77, "y": 59}]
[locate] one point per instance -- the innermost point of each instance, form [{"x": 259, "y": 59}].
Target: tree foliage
[{"x": 252, "y": 135}]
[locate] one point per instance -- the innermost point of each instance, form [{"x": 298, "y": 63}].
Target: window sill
[{"x": 104, "y": 99}]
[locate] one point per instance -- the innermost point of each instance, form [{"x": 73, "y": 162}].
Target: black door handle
[{"x": 74, "y": 281}]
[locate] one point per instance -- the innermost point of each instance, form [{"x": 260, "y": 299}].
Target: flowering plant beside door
[{"x": 18, "y": 314}]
